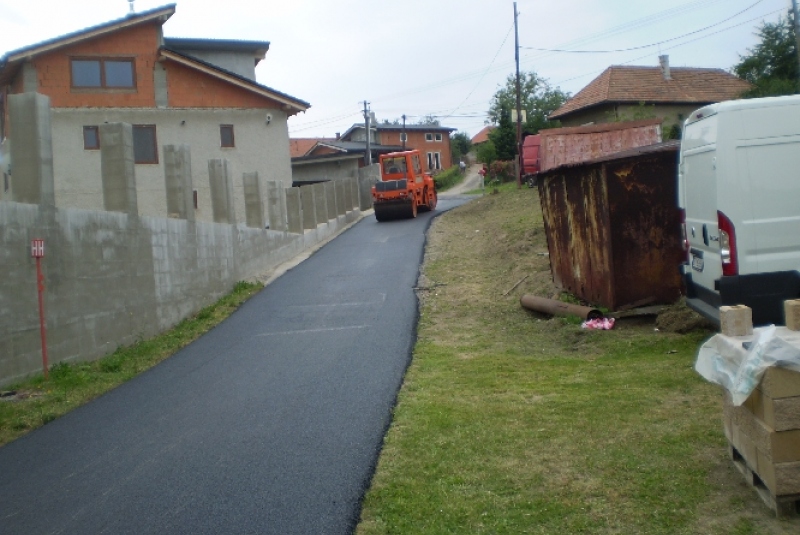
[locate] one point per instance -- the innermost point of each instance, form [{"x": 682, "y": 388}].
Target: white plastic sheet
[{"x": 738, "y": 362}]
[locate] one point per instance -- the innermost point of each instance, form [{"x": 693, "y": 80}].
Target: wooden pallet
[{"x": 782, "y": 506}]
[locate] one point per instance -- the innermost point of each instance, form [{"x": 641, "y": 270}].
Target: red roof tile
[
  {"x": 619, "y": 84},
  {"x": 302, "y": 145},
  {"x": 483, "y": 135}
]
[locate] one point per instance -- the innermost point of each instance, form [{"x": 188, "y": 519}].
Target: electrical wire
[{"x": 646, "y": 46}]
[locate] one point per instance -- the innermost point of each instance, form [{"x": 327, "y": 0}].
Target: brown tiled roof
[
  {"x": 301, "y": 145},
  {"x": 483, "y": 135},
  {"x": 623, "y": 84}
]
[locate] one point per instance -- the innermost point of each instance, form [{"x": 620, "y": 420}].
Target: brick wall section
[
  {"x": 416, "y": 140},
  {"x": 141, "y": 42},
  {"x": 189, "y": 88}
]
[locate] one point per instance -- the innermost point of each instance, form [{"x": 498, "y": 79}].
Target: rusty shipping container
[
  {"x": 571, "y": 145},
  {"x": 613, "y": 227}
]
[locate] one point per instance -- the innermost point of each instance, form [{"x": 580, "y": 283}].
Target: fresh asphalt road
[{"x": 272, "y": 422}]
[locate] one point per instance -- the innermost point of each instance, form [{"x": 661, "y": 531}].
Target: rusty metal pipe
[{"x": 558, "y": 308}]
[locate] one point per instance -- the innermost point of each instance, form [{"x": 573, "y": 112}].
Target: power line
[{"x": 646, "y": 46}]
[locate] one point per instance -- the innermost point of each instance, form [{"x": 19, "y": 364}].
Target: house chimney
[{"x": 664, "y": 62}]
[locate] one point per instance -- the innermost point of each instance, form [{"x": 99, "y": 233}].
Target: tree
[
  {"x": 537, "y": 99},
  {"x": 771, "y": 66},
  {"x": 504, "y": 137},
  {"x": 460, "y": 145},
  {"x": 429, "y": 120},
  {"x": 486, "y": 152}
]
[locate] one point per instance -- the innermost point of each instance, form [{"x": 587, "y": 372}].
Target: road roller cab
[{"x": 404, "y": 189}]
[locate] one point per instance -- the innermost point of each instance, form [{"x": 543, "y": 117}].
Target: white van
[{"x": 739, "y": 189}]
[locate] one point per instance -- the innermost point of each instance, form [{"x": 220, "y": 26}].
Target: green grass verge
[
  {"x": 513, "y": 422},
  {"x": 38, "y": 401}
]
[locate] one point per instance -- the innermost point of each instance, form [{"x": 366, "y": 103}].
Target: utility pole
[
  {"x": 404, "y": 132},
  {"x": 519, "y": 99},
  {"x": 368, "y": 154},
  {"x": 797, "y": 38}
]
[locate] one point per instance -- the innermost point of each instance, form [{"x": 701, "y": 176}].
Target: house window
[
  {"x": 437, "y": 137},
  {"x": 145, "y": 147},
  {"x": 403, "y": 137},
  {"x": 434, "y": 160},
  {"x": 91, "y": 138},
  {"x": 226, "y": 135},
  {"x": 429, "y": 137},
  {"x": 103, "y": 73}
]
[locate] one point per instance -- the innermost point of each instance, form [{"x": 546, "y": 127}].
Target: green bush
[
  {"x": 447, "y": 178},
  {"x": 503, "y": 171}
]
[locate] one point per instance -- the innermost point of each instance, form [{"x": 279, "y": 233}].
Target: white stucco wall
[{"x": 260, "y": 147}]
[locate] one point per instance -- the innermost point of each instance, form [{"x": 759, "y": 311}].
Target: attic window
[{"x": 103, "y": 73}]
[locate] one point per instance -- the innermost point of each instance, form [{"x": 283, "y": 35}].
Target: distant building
[{"x": 670, "y": 94}]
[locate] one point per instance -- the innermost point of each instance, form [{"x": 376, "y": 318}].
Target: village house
[
  {"x": 624, "y": 93},
  {"x": 197, "y": 92}
]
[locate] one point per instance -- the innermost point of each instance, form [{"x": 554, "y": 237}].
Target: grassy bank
[
  {"x": 514, "y": 422},
  {"x": 32, "y": 403}
]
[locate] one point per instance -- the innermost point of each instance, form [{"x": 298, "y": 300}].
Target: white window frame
[
  {"x": 428, "y": 136},
  {"x": 434, "y": 161},
  {"x": 437, "y": 137},
  {"x": 403, "y": 137}
]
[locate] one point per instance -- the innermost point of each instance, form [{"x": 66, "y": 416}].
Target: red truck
[{"x": 404, "y": 189}]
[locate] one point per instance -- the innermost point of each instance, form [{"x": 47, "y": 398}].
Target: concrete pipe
[{"x": 558, "y": 308}]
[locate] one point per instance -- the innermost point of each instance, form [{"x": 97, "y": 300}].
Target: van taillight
[{"x": 727, "y": 245}]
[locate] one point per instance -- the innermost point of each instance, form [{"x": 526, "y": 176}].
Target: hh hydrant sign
[{"x": 37, "y": 248}]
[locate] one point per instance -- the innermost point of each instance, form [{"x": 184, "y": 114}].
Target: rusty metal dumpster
[{"x": 613, "y": 227}]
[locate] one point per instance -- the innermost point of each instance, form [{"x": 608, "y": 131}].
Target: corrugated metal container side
[{"x": 613, "y": 227}]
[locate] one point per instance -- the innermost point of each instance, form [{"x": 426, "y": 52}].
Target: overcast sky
[{"x": 425, "y": 57}]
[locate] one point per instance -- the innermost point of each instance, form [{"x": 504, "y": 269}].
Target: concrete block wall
[{"x": 114, "y": 277}]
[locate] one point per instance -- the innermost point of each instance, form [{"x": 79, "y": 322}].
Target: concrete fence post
[
  {"x": 117, "y": 168},
  {"x": 178, "y": 177},
  {"x": 32, "y": 179},
  {"x": 320, "y": 203},
  {"x": 221, "y": 191},
  {"x": 341, "y": 197},
  {"x": 309, "y": 207},
  {"x": 330, "y": 196},
  {"x": 276, "y": 203},
  {"x": 294, "y": 210},
  {"x": 253, "y": 204}
]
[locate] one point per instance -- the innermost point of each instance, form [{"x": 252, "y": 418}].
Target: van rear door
[
  {"x": 771, "y": 152},
  {"x": 698, "y": 181}
]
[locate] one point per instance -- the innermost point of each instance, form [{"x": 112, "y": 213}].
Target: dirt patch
[{"x": 679, "y": 318}]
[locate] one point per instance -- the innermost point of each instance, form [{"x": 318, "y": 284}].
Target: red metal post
[{"x": 37, "y": 251}]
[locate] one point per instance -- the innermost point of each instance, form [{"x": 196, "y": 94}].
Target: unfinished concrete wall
[{"x": 114, "y": 277}]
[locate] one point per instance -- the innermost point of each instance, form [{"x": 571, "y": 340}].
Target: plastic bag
[
  {"x": 738, "y": 362},
  {"x": 604, "y": 324}
]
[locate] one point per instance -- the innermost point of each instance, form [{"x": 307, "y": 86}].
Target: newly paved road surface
[{"x": 270, "y": 423}]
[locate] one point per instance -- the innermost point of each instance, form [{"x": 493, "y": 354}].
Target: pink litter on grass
[{"x": 604, "y": 324}]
